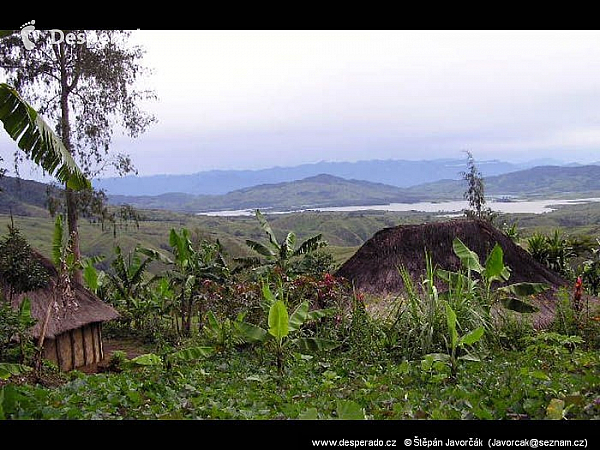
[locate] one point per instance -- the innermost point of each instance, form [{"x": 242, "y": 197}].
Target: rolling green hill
[
  {"x": 313, "y": 192},
  {"x": 535, "y": 182},
  {"x": 23, "y": 197}
]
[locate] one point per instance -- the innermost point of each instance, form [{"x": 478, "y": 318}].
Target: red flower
[{"x": 578, "y": 293}]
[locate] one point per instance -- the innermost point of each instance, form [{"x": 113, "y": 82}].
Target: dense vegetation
[{"x": 274, "y": 334}]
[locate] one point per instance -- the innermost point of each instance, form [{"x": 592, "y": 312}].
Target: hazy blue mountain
[
  {"x": 399, "y": 173},
  {"x": 327, "y": 190},
  {"x": 312, "y": 192}
]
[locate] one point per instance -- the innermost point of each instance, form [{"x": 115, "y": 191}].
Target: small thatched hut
[{"x": 70, "y": 324}]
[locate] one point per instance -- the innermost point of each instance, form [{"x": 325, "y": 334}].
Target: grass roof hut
[
  {"x": 68, "y": 321},
  {"x": 374, "y": 267}
]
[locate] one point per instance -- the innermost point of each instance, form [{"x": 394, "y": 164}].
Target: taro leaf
[
  {"x": 309, "y": 414},
  {"x": 555, "y": 409},
  {"x": 517, "y": 305},
  {"x": 349, "y": 410},
  {"x": 8, "y": 369}
]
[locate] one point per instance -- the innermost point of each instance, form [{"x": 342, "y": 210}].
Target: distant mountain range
[
  {"x": 25, "y": 197},
  {"x": 326, "y": 190},
  {"x": 399, "y": 173}
]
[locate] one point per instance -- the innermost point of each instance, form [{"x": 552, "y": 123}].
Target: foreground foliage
[
  {"x": 510, "y": 385},
  {"x": 300, "y": 346}
]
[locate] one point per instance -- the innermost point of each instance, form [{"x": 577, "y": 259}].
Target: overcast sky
[{"x": 254, "y": 99}]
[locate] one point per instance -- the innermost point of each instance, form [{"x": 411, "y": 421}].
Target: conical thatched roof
[
  {"x": 67, "y": 312},
  {"x": 374, "y": 267}
]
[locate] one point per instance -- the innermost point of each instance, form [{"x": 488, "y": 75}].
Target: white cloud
[{"x": 255, "y": 98}]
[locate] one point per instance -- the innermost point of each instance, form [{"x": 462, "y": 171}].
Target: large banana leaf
[
  {"x": 518, "y": 305},
  {"x": 495, "y": 270},
  {"x": 279, "y": 321},
  {"x": 267, "y": 228},
  {"x": 35, "y": 137},
  {"x": 57, "y": 241},
  {"x": 310, "y": 245},
  {"x": 260, "y": 248},
  {"x": 299, "y": 316},
  {"x": 524, "y": 289},
  {"x": 468, "y": 258},
  {"x": 250, "y": 333}
]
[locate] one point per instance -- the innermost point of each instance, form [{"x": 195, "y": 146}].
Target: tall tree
[
  {"x": 85, "y": 87},
  {"x": 475, "y": 192}
]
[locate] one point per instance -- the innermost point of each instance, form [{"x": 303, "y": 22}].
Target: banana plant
[
  {"x": 279, "y": 254},
  {"x": 493, "y": 271},
  {"x": 282, "y": 324},
  {"x": 190, "y": 269}
]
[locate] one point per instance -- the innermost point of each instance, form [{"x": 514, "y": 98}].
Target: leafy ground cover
[{"x": 545, "y": 382}]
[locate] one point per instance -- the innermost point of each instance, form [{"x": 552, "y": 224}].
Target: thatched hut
[
  {"x": 69, "y": 322},
  {"x": 374, "y": 267}
]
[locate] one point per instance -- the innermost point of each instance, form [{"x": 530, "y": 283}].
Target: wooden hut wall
[{"x": 76, "y": 348}]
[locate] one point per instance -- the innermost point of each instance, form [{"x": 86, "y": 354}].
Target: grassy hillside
[
  {"x": 314, "y": 192},
  {"x": 345, "y": 232},
  {"x": 542, "y": 181},
  {"x": 23, "y": 197}
]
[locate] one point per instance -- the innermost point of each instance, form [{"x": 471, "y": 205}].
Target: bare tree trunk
[{"x": 71, "y": 199}]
